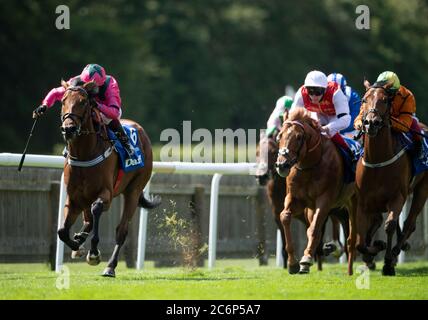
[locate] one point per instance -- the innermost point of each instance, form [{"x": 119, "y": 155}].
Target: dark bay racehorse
[
  {"x": 92, "y": 175},
  {"x": 383, "y": 182},
  {"x": 315, "y": 181},
  {"x": 266, "y": 175}
]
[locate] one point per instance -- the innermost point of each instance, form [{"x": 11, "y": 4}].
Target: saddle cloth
[
  {"x": 418, "y": 165},
  {"x": 128, "y": 164}
]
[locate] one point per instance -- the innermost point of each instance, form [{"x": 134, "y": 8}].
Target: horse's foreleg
[
  {"x": 352, "y": 234},
  {"x": 121, "y": 232},
  {"x": 83, "y": 234},
  {"x": 390, "y": 228},
  {"x": 314, "y": 233},
  {"x": 70, "y": 216},
  {"x": 276, "y": 193},
  {"x": 285, "y": 217},
  {"x": 93, "y": 258}
]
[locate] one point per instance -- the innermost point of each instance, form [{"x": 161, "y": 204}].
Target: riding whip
[
  {"x": 26, "y": 146},
  {"x": 410, "y": 129}
]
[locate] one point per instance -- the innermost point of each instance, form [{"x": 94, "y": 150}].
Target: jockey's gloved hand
[
  {"x": 326, "y": 130},
  {"x": 358, "y": 125},
  {"x": 39, "y": 111}
]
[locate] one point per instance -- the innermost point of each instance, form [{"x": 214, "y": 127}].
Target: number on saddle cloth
[{"x": 126, "y": 163}]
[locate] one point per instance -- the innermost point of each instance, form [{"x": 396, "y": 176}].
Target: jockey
[
  {"x": 328, "y": 105},
  {"x": 403, "y": 108},
  {"x": 277, "y": 116},
  {"x": 108, "y": 100},
  {"x": 354, "y": 99}
]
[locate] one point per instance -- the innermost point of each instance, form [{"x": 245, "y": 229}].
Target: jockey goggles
[{"x": 315, "y": 91}]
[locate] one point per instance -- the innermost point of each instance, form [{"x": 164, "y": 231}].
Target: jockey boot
[
  {"x": 338, "y": 140},
  {"x": 418, "y": 148},
  {"x": 120, "y": 133},
  {"x": 417, "y": 140}
]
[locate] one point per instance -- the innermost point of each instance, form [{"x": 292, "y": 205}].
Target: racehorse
[
  {"x": 266, "y": 175},
  {"x": 383, "y": 182},
  {"x": 315, "y": 182},
  {"x": 91, "y": 174}
]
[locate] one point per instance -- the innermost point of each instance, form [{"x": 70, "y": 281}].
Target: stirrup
[{"x": 129, "y": 149}]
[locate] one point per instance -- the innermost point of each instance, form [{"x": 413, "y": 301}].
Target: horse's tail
[{"x": 151, "y": 203}]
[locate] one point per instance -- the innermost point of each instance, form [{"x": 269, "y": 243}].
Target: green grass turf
[{"x": 230, "y": 279}]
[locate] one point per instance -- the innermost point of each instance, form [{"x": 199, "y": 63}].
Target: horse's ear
[
  {"x": 91, "y": 87},
  {"x": 367, "y": 85},
  {"x": 64, "y": 84}
]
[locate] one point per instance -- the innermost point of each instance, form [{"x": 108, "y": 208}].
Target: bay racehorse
[
  {"x": 383, "y": 182},
  {"x": 91, "y": 174},
  {"x": 315, "y": 182}
]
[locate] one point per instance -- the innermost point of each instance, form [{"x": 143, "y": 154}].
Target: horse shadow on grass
[{"x": 413, "y": 272}]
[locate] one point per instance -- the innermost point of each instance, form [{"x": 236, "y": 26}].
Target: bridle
[
  {"x": 385, "y": 120},
  {"x": 285, "y": 152},
  {"x": 73, "y": 116}
]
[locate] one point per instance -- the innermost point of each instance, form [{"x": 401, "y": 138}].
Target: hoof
[
  {"x": 293, "y": 268},
  {"x": 380, "y": 244},
  {"x": 371, "y": 265},
  {"x": 304, "y": 269},
  {"x": 79, "y": 253},
  {"x": 405, "y": 246},
  {"x": 92, "y": 259},
  {"x": 388, "y": 270},
  {"x": 395, "y": 251},
  {"x": 329, "y": 248},
  {"x": 306, "y": 260},
  {"x": 305, "y": 264},
  {"x": 109, "y": 272}
]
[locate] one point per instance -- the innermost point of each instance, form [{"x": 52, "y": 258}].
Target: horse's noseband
[
  {"x": 74, "y": 116},
  {"x": 384, "y": 118},
  {"x": 285, "y": 152}
]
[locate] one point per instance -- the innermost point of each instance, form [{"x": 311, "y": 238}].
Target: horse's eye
[{"x": 364, "y": 101}]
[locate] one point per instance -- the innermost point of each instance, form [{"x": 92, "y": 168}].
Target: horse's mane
[{"x": 302, "y": 115}]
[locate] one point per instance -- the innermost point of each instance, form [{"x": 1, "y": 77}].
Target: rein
[{"x": 285, "y": 151}]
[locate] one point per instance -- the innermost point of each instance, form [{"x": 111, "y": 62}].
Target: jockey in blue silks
[{"x": 354, "y": 99}]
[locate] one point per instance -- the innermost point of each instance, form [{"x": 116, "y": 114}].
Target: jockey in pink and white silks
[
  {"x": 327, "y": 104},
  {"x": 108, "y": 100}
]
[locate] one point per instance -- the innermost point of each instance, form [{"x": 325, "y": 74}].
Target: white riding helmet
[{"x": 316, "y": 79}]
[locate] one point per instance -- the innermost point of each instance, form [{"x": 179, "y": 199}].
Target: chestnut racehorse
[
  {"x": 91, "y": 171},
  {"x": 383, "y": 182},
  {"x": 275, "y": 186},
  {"x": 315, "y": 181}
]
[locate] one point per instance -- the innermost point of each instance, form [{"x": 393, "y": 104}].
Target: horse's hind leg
[
  {"x": 70, "y": 214},
  {"x": 419, "y": 198},
  {"x": 131, "y": 201}
]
